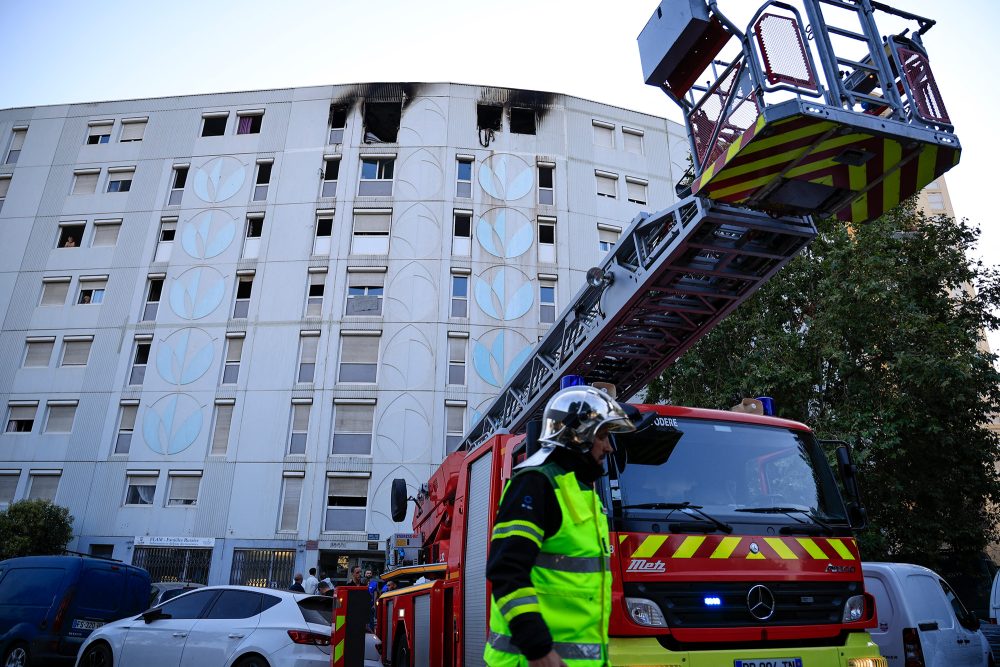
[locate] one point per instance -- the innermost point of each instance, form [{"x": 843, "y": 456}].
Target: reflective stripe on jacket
[{"x": 571, "y": 580}]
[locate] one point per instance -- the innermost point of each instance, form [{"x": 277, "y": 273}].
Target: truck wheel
[
  {"x": 97, "y": 655},
  {"x": 17, "y": 656},
  {"x": 402, "y": 657}
]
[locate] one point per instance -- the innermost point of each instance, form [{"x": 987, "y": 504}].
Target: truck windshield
[{"x": 742, "y": 472}]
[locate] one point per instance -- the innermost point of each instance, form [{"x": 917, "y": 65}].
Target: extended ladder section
[{"x": 670, "y": 279}]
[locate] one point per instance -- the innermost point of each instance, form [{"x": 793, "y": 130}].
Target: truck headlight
[
  {"x": 645, "y": 612},
  {"x": 854, "y": 609}
]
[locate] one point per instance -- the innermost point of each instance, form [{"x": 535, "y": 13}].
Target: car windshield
[{"x": 742, "y": 472}]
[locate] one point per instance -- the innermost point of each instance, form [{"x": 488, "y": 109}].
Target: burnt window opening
[
  {"x": 382, "y": 121},
  {"x": 489, "y": 117},
  {"x": 522, "y": 121}
]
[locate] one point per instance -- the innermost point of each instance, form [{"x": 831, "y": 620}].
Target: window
[
  {"x": 489, "y": 117},
  {"x": 120, "y": 180},
  {"x": 85, "y": 181},
  {"x": 314, "y": 293},
  {"x": 291, "y": 499},
  {"x": 92, "y": 290},
  {"x": 546, "y": 184},
  {"x": 222, "y": 426},
  {"x": 604, "y": 134},
  {"x": 371, "y": 232},
  {"x": 459, "y": 296},
  {"x": 214, "y": 125},
  {"x": 364, "y": 292},
  {"x": 4, "y": 188},
  {"x": 16, "y": 143},
  {"x": 456, "y": 359},
  {"x": 140, "y": 358},
  {"x": 60, "y": 416},
  {"x": 547, "y": 302},
  {"x": 454, "y": 425},
  {"x": 376, "y": 176},
  {"x": 331, "y": 172},
  {"x": 76, "y": 350},
  {"x": 178, "y": 181},
  {"x": 299, "y": 426},
  {"x": 234, "y": 352},
  {"x": 382, "y": 121},
  {"x": 154, "y": 290},
  {"x": 21, "y": 416},
  {"x": 127, "y": 411},
  {"x": 607, "y": 184},
  {"x": 99, "y": 131},
  {"x": 463, "y": 186},
  {"x": 346, "y": 500},
  {"x": 636, "y": 188},
  {"x": 249, "y": 122},
  {"x": 140, "y": 487},
  {"x": 607, "y": 238},
  {"x": 262, "y": 180},
  {"x": 324, "y": 232},
  {"x": 133, "y": 129},
  {"x": 633, "y": 140},
  {"x": 38, "y": 352},
  {"x": 106, "y": 233},
  {"x": 353, "y": 423},
  {"x": 254, "y": 229},
  {"x": 70, "y": 234},
  {"x": 522, "y": 121},
  {"x": 338, "y": 121},
  {"x": 165, "y": 239},
  {"x": 358, "y": 357},
  {"x": 43, "y": 484},
  {"x": 546, "y": 239},
  {"x": 462, "y": 233},
  {"x": 8, "y": 486},
  {"x": 308, "y": 348},
  {"x": 183, "y": 489},
  {"x": 54, "y": 291},
  {"x": 244, "y": 287}
]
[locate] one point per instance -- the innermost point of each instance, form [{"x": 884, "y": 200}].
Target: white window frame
[
  {"x": 213, "y": 115},
  {"x": 151, "y": 306},
  {"x": 637, "y": 190},
  {"x": 94, "y": 286},
  {"x": 290, "y": 506},
  {"x": 121, "y": 175},
  {"x": 305, "y": 372},
  {"x": 36, "y": 475},
  {"x": 547, "y": 194},
  {"x": 454, "y": 432},
  {"x": 252, "y": 114},
  {"x": 137, "y": 370},
  {"x": 253, "y": 233},
  {"x": 315, "y": 282},
  {"x": 6, "y": 476},
  {"x": 371, "y": 283},
  {"x": 545, "y": 315},
  {"x": 85, "y": 181},
  {"x": 235, "y": 340},
  {"x": 347, "y": 412},
  {"x": 79, "y": 229},
  {"x": 380, "y": 185},
  {"x": 175, "y": 500},
  {"x": 457, "y": 300},
  {"x": 458, "y": 351},
  {"x": 60, "y": 411},
  {"x": 17, "y": 411},
  {"x": 604, "y": 232},
  {"x": 101, "y": 229},
  {"x": 100, "y": 130},
  {"x": 609, "y": 181},
  {"x": 17, "y": 137},
  {"x": 64, "y": 285},
  {"x": 34, "y": 346},
  {"x": 165, "y": 236},
  {"x": 133, "y": 129},
  {"x": 336, "y": 135},
  {"x": 547, "y": 249},
  {"x": 5, "y": 180},
  {"x": 70, "y": 344},
  {"x": 260, "y": 188},
  {"x": 630, "y": 136},
  {"x": 353, "y": 357},
  {"x": 371, "y": 241},
  {"x": 222, "y": 426},
  {"x": 323, "y": 243},
  {"x": 140, "y": 476},
  {"x": 463, "y": 186},
  {"x": 604, "y": 134},
  {"x": 328, "y": 186},
  {"x": 128, "y": 411},
  {"x": 461, "y": 244},
  {"x": 241, "y": 305},
  {"x": 349, "y": 511},
  {"x": 301, "y": 411},
  {"x": 178, "y": 174}
]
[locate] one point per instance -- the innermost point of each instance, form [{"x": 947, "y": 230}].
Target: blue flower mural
[
  {"x": 208, "y": 234},
  {"x": 504, "y": 233},
  {"x": 172, "y": 424},
  {"x": 506, "y": 177},
  {"x": 504, "y": 293},
  {"x": 184, "y": 356},
  {"x": 219, "y": 179},
  {"x": 197, "y": 292},
  {"x": 490, "y": 353}
]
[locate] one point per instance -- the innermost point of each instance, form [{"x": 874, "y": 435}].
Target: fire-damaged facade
[{"x": 230, "y": 320}]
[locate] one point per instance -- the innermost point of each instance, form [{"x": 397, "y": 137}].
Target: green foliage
[
  {"x": 34, "y": 528},
  {"x": 872, "y": 336}
]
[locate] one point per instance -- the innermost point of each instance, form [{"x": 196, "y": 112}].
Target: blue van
[{"x": 50, "y": 604}]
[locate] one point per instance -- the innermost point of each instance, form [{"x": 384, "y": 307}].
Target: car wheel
[
  {"x": 17, "y": 656},
  {"x": 97, "y": 655},
  {"x": 251, "y": 661},
  {"x": 402, "y": 657}
]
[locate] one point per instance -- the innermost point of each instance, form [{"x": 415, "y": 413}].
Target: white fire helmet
[{"x": 574, "y": 415}]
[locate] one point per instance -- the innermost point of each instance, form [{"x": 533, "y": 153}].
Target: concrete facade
[{"x": 271, "y": 307}]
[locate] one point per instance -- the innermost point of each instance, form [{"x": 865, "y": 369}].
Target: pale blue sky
[{"x": 58, "y": 51}]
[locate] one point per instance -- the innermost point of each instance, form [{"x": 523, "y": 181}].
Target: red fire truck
[{"x": 732, "y": 534}]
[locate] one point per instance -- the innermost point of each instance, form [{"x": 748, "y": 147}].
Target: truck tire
[
  {"x": 401, "y": 658},
  {"x": 17, "y": 656}
]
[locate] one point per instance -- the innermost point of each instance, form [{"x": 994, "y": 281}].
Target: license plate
[
  {"x": 769, "y": 662},
  {"x": 80, "y": 624}
]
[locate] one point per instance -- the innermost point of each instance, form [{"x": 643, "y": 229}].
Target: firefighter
[{"x": 549, "y": 553}]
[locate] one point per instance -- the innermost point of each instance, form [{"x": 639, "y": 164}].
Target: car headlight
[
  {"x": 645, "y": 612},
  {"x": 854, "y": 609}
]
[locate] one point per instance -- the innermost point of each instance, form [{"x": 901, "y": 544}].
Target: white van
[{"x": 921, "y": 622}]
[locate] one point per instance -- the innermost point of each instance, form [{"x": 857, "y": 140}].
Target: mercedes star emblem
[{"x": 760, "y": 602}]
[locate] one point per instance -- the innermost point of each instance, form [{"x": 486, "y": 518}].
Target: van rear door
[
  {"x": 889, "y": 633},
  {"x": 936, "y": 622}
]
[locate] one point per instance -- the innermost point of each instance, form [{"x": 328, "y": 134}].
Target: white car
[{"x": 223, "y": 626}]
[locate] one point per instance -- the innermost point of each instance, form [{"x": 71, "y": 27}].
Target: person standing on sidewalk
[{"x": 549, "y": 561}]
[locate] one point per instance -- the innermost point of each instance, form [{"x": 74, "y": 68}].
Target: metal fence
[
  {"x": 168, "y": 564},
  {"x": 267, "y": 568}
]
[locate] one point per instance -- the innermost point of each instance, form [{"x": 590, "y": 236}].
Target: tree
[
  {"x": 34, "y": 528},
  {"x": 872, "y": 336}
]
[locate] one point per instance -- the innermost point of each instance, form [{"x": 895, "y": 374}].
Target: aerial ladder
[{"x": 807, "y": 113}]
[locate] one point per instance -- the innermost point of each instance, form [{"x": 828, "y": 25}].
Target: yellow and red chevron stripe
[
  {"x": 810, "y": 149},
  {"x": 746, "y": 547}
]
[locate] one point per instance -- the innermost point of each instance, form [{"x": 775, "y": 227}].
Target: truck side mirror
[
  {"x": 856, "y": 513},
  {"x": 397, "y": 499}
]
